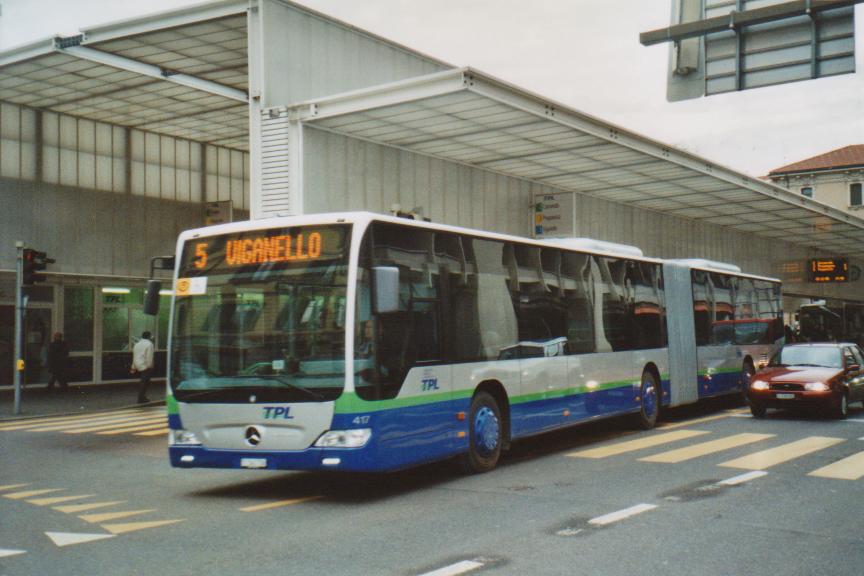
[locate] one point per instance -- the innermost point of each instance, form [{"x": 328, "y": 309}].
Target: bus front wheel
[
  {"x": 484, "y": 435},
  {"x": 649, "y": 406}
]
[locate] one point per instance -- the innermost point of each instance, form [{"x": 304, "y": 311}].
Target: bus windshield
[{"x": 260, "y": 316}]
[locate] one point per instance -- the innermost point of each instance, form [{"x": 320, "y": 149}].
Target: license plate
[
  {"x": 785, "y": 396},
  {"x": 253, "y": 462}
]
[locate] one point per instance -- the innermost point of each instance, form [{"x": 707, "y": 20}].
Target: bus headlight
[
  {"x": 816, "y": 387},
  {"x": 183, "y": 438},
  {"x": 344, "y": 438},
  {"x": 759, "y": 385}
]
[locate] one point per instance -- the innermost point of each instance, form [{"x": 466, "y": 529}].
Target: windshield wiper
[
  {"x": 811, "y": 365},
  {"x": 284, "y": 380}
]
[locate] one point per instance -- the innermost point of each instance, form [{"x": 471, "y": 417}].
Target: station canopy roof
[
  {"x": 466, "y": 116},
  {"x": 183, "y": 73}
]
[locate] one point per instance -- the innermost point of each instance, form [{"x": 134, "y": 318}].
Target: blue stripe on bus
[
  {"x": 404, "y": 437},
  {"x": 719, "y": 383}
]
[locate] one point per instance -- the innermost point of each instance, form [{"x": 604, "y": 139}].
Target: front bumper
[
  {"x": 344, "y": 459},
  {"x": 800, "y": 399}
]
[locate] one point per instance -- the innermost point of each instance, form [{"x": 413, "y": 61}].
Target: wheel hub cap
[{"x": 485, "y": 431}]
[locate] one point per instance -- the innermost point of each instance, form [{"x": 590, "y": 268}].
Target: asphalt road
[{"x": 598, "y": 499}]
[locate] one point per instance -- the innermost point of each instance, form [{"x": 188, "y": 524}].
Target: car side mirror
[{"x": 386, "y": 283}]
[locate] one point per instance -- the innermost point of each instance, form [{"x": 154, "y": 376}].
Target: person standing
[
  {"x": 142, "y": 363},
  {"x": 58, "y": 360}
]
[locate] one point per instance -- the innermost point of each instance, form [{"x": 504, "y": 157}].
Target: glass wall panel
[{"x": 78, "y": 317}]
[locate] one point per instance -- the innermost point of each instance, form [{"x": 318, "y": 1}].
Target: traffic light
[{"x": 34, "y": 261}]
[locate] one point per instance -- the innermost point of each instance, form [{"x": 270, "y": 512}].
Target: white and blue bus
[{"x": 363, "y": 342}]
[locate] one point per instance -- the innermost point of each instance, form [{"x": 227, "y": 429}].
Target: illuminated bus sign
[
  {"x": 273, "y": 249},
  {"x": 829, "y": 270}
]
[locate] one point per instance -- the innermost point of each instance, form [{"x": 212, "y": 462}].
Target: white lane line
[
  {"x": 742, "y": 415},
  {"x": 621, "y": 514},
  {"x": 5, "y": 553},
  {"x": 741, "y": 478},
  {"x": 857, "y": 420},
  {"x": 462, "y": 567}
]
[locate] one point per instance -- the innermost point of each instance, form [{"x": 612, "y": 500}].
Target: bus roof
[{"x": 597, "y": 247}]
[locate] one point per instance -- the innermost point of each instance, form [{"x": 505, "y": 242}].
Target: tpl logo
[{"x": 274, "y": 412}]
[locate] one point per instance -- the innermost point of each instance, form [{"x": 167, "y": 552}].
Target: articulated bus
[{"x": 362, "y": 342}]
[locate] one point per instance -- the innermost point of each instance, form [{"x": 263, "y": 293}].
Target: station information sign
[{"x": 829, "y": 270}]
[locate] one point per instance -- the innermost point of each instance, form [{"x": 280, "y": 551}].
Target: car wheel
[
  {"x": 841, "y": 411},
  {"x": 757, "y": 410},
  {"x": 649, "y": 405},
  {"x": 484, "y": 435}
]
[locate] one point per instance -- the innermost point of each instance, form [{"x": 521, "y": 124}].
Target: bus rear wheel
[
  {"x": 485, "y": 436},
  {"x": 649, "y": 405}
]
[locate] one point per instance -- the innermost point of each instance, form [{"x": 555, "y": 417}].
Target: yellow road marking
[
  {"x": 116, "y": 425},
  {"x": 57, "y": 499},
  {"x": 705, "y": 448},
  {"x": 158, "y": 432},
  {"x": 75, "y": 508},
  {"x": 278, "y": 504},
  {"x": 638, "y": 444},
  {"x": 133, "y": 428},
  {"x": 36, "y": 422},
  {"x": 29, "y": 493},
  {"x": 124, "y": 419},
  {"x": 851, "y": 468},
  {"x": 773, "y": 456},
  {"x": 106, "y": 516},
  {"x": 692, "y": 422},
  {"x": 133, "y": 526},
  {"x": 11, "y": 487}
]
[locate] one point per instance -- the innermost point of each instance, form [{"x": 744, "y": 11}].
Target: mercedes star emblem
[{"x": 253, "y": 436}]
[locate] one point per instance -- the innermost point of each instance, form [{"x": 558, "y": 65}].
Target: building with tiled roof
[{"x": 834, "y": 178}]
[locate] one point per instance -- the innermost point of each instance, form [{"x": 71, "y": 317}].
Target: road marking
[
  {"x": 29, "y": 493},
  {"x": 70, "y": 538},
  {"x": 116, "y": 425},
  {"x": 57, "y": 499},
  {"x": 5, "y": 553},
  {"x": 108, "y": 516},
  {"x": 162, "y": 423},
  {"x": 780, "y": 454},
  {"x": 102, "y": 421},
  {"x": 851, "y": 468},
  {"x": 705, "y": 448},
  {"x": 278, "y": 504},
  {"x": 741, "y": 478},
  {"x": 75, "y": 508},
  {"x": 621, "y": 514},
  {"x": 135, "y": 526},
  {"x": 159, "y": 432},
  {"x": 638, "y": 444},
  {"x": 462, "y": 567},
  {"x": 11, "y": 487},
  {"x": 37, "y": 422},
  {"x": 692, "y": 422}
]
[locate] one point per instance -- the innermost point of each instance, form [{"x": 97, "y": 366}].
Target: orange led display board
[{"x": 829, "y": 270}]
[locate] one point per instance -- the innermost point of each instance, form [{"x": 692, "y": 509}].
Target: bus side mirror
[
  {"x": 386, "y": 283},
  {"x": 151, "y": 298}
]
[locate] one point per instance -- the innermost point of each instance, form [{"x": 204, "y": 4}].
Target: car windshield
[
  {"x": 261, "y": 314},
  {"x": 826, "y": 356}
]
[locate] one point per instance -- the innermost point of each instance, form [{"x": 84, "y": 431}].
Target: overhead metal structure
[
  {"x": 471, "y": 118},
  {"x": 183, "y": 74}
]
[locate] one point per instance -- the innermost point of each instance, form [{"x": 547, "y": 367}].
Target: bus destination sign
[{"x": 829, "y": 270}]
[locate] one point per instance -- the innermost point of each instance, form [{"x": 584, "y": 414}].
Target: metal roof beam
[
  {"x": 130, "y": 65},
  {"x": 736, "y": 19}
]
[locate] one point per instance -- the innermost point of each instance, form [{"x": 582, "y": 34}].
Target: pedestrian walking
[
  {"x": 142, "y": 363},
  {"x": 58, "y": 361}
]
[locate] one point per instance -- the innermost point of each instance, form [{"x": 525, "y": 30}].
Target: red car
[{"x": 813, "y": 376}]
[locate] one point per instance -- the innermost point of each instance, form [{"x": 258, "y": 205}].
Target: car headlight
[
  {"x": 183, "y": 438},
  {"x": 759, "y": 385},
  {"x": 816, "y": 387},
  {"x": 344, "y": 438}
]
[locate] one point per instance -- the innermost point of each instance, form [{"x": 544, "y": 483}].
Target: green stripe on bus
[
  {"x": 570, "y": 391},
  {"x": 171, "y": 404}
]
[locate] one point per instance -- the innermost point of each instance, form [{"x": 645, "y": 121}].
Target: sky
[{"x": 584, "y": 54}]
